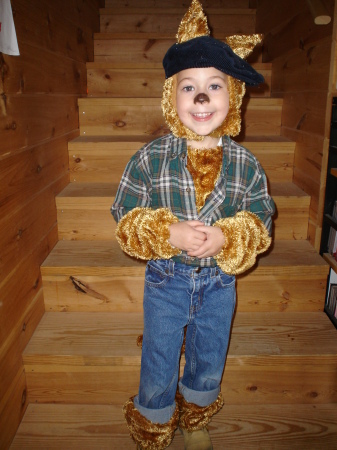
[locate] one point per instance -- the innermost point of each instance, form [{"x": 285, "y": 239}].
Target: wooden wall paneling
[
  {"x": 289, "y": 27},
  {"x": 42, "y": 26},
  {"x": 305, "y": 70},
  {"x": 13, "y": 347},
  {"x": 38, "y": 116},
  {"x": 37, "y": 70},
  {"x": 305, "y": 113},
  {"x": 269, "y": 19},
  {"x": 12, "y": 408},
  {"x": 24, "y": 174},
  {"x": 32, "y": 118},
  {"x": 22, "y": 230}
]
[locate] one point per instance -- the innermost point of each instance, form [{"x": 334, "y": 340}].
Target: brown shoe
[{"x": 197, "y": 440}]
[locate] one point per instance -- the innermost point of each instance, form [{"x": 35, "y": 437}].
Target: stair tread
[
  {"x": 108, "y": 190},
  {"x": 173, "y": 10},
  {"x": 90, "y": 427},
  {"x": 153, "y": 65},
  {"x": 219, "y": 34},
  {"x": 106, "y": 258},
  {"x": 109, "y": 139},
  {"x": 94, "y": 338},
  {"x": 155, "y": 101}
]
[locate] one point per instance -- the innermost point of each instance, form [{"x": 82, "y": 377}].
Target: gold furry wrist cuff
[
  {"x": 245, "y": 237},
  {"x": 144, "y": 233}
]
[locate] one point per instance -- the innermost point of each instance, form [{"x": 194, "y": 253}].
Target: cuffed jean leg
[
  {"x": 207, "y": 338},
  {"x": 164, "y": 319}
]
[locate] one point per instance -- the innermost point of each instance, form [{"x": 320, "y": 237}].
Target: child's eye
[
  {"x": 188, "y": 88},
  {"x": 215, "y": 87}
]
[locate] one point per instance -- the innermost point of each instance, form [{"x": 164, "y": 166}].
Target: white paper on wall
[{"x": 8, "y": 40}]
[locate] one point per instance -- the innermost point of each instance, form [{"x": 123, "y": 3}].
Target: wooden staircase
[{"x": 280, "y": 381}]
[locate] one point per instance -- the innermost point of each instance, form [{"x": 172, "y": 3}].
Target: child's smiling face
[{"x": 202, "y": 100}]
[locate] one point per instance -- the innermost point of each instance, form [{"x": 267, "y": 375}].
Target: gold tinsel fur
[
  {"x": 149, "y": 435},
  {"x": 205, "y": 167},
  {"x": 193, "y": 24},
  {"x": 194, "y": 417},
  {"x": 143, "y": 233},
  {"x": 245, "y": 237}
]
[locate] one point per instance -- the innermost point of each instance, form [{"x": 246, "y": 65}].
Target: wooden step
[
  {"x": 102, "y": 159},
  {"x": 122, "y": 48},
  {"x": 107, "y": 80},
  {"x": 273, "y": 358},
  {"x": 83, "y": 211},
  {"x": 166, "y": 20},
  {"x": 139, "y": 116},
  {"x": 175, "y": 4},
  {"x": 254, "y": 427},
  {"x": 98, "y": 276}
]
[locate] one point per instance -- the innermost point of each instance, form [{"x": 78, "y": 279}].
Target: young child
[{"x": 195, "y": 205}]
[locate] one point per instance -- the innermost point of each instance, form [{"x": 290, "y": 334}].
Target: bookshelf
[{"x": 329, "y": 225}]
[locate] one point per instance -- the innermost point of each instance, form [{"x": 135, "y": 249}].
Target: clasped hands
[{"x": 196, "y": 238}]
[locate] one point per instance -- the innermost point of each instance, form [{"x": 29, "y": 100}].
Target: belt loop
[
  {"x": 171, "y": 267},
  {"x": 213, "y": 272}
]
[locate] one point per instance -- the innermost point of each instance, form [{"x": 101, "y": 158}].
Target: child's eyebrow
[{"x": 213, "y": 77}]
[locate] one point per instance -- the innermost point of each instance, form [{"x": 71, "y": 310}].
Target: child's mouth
[{"x": 201, "y": 117}]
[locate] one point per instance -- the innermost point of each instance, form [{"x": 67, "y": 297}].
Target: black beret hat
[{"x": 205, "y": 51}]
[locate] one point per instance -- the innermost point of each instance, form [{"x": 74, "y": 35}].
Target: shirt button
[
  {"x": 183, "y": 155},
  {"x": 188, "y": 190},
  {"x": 173, "y": 155}
]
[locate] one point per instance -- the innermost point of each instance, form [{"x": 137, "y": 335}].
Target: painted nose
[{"x": 201, "y": 98}]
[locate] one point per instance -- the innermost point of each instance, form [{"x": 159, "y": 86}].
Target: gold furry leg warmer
[
  {"x": 149, "y": 435},
  {"x": 194, "y": 417}
]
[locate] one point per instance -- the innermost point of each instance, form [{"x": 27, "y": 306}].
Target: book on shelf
[
  {"x": 332, "y": 242},
  {"x": 332, "y": 300}
]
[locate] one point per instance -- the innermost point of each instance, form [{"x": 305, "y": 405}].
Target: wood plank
[
  {"x": 103, "y": 426},
  {"x": 12, "y": 408},
  {"x": 146, "y": 82},
  {"x": 65, "y": 31},
  {"x": 300, "y": 345},
  {"x": 176, "y": 4},
  {"x": 292, "y": 278},
  {"x": 103, "y": 159},
  {"x": 110, "y": 116},
  {"x": 141, "y": 47},
  {"x": 105, "y": 258},
  {"x": 331, "y": 261},
  {"x": 166, "y": 21},
  {"x": 26, "y": 173},
  {"x": 83, "y": 211},
  {"x": 302, "y": 71},
  {"x": 23, "y": 75},
  {"x": 31, "y": 119},
  {"x": 125, "y": 293},
  {"x": 290, "y": 27},
  {"x": 28, "y": 225},
  {"x": 23, "y": 327}
]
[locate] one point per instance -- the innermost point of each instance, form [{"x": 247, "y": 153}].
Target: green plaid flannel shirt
[{"x": 157, "y": 177}]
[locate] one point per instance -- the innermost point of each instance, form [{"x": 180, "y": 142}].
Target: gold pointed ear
[
  {"x": 193, "y": 24},
  {"x": 243, "y": 45}
]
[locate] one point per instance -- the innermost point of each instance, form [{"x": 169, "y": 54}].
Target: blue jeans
[{"x": 175, "y": 296}]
